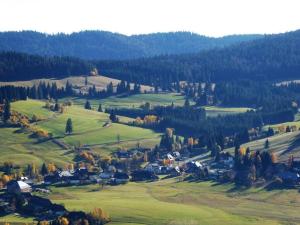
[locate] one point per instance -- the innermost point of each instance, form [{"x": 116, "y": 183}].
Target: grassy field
[
  {"x": 172, "y": 202},
  {"x": 213, "y": 111},
  {"x": 78, "y": 82},
  {"x": 282, "y": 144},
  {"x": 134, "y": 101},
  {"x": 87, "y": 125},
  {"x": 181, "y": 203},
  {"x": 20, "y": 149}
]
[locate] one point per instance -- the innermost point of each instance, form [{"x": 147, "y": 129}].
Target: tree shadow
[{"x": 292, "y": 146}]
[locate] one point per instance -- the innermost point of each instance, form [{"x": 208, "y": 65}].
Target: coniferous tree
[
  {"x": 187, "y": 103},
  {"x": 44, "y": 169},
  {"x": 110, "y": 89},
  {"x": 69, "y": 126},
  {"x": 87, "y": 105},
  {"x": 267, "y": 144},
  {"x": 113, "y": 117},
  {"x": 56, "y": 106},
  {"x": 6, "y": 113},
  {"x": 100, "y": 108}
]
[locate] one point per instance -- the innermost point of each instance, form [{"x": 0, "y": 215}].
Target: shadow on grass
[{"x": 292, "y": 146}]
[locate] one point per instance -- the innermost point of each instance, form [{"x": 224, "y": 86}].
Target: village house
[
  {"x": 143, "y": 175},
  {"x": 193, "y": 167},
  {"x": 175, "y": 171},
  {"x": 14, "y": 186},
  {"x": 106, "y": 175},
  {"x": 120, "y": 178},
  {"x": 289, "y": 178}
]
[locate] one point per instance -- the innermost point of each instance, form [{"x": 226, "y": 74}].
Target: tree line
[{"x": 52, "y": 91}]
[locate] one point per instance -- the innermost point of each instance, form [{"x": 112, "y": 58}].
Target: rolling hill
[
  {"x": 78, "y": 83},
  {"x": 272, "y": 58},
  {"x": 88, "y": 127},
  {"x": 107, "y": 45}
]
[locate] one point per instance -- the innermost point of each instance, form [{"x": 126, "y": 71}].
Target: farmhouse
[
  {"x": 18, "y": 187},
  {"x": 143, "y": 175},
  {"x": 120, "y": 178},
  {"x": 290, "y": 177}
]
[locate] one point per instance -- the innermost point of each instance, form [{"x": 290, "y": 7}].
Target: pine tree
[
  {"x": 69, "y": 126},
  {"x": 267, "y": 144},
  {"x": 87, "y": 105},
  {"x": 113, "y": 116},
  {"x": 187, "y": 103},
  {"x": 110, "y": 89},
  {"x": 6, "y": 113},
  {"x": 44, "y": 169},
  {"x": 100, "y": 108}
]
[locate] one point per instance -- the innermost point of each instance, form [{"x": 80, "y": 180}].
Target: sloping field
[
  {"x": 134, "y": 101},
  {"x": 87, "y": 125},
  {"x": 20, "y": 149},
  {"x": 78, "y": 82},
  {"x": 282, "y": 144},
  {"x": 213, "y": 111},
  {"x": 171, "y": 202}
]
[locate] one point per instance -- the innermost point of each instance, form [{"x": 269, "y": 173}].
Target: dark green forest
[
  {"x": 106, "y": 45},
  {"x": 274, "y": 57}
]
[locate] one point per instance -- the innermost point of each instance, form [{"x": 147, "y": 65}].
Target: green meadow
[
  {"x": 134, "y": 101},
  {"x": 213, "y": 111},
  {"x": 88, "y": 127},
  {"x": 20, "y": 149},
  {"x": 172, "y": 202},
  {"x": 180, "y": 203}
]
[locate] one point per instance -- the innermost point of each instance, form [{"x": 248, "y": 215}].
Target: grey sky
[{"x": 208, "y": 17}]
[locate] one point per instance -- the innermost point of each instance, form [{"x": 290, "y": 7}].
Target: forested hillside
[
  {"x": 273, "y": 57},
  {"x": 20, "y": 66},
  {"x": 107, "y": 45}
]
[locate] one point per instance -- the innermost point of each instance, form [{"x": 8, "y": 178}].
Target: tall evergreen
[
  {"x": 44, "y": 169},
  {"x": 87, "y": 105},
  {"x": 69, "y": 126},
  {"x": 186, "y": 103},
  {"x": 267, "y": 144},
  {"x": 100, "y": 108},
  {"x": 6, "y": 112},
  {"x": 113, "y": 117}
]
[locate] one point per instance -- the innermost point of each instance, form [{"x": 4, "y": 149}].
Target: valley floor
[{"x": 186, "y": 203}]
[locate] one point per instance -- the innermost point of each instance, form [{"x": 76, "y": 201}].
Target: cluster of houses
[
  {"x": 83, "y": 176},
  {"x": 18, "y": 198}
]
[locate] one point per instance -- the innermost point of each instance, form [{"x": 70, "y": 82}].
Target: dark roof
[
  {"x": 73, "y": 216},
  {"x": 57, "y": 207},
  {"x": 287, "y": 175},
  {"x": 36, "y": 200},
  {"x": 143, "y": 175},
  {"x": 119, "y": 175}
]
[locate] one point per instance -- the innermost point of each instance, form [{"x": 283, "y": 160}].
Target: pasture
[
  {"x": 134, "y": 101},
  {"x": 172, "y": 202},
  {"x": 213, "y": 111},
  {"x": 88, "y": 126},
  {"x": 20, "y": 149}
]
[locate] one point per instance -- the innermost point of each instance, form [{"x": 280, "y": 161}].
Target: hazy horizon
[{"x": 214, "y": 18}]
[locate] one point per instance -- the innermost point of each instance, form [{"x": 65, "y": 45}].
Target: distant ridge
[
  {"x": 271, "y": 58},
  {"x": 104, "y": 45}
]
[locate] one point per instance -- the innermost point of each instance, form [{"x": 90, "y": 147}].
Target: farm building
[{"x": 18, "y": 187}]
